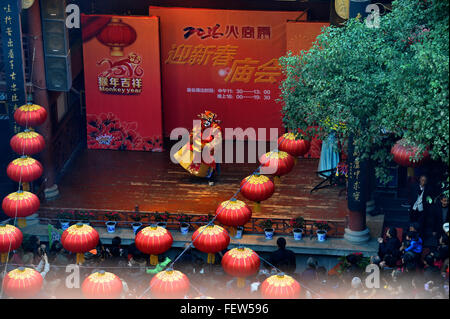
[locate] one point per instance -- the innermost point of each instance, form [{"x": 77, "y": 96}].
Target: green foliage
[{"x": 379, "y": 84}]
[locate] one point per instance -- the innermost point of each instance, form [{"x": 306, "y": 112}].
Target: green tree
[{"x": 378, "y": 84}]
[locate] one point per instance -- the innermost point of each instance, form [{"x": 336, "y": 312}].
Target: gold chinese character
[
  {"x": 200, "y": 54},
  {"x": 10, "y": 43},
  {"x": 102, "y": 81},
  {"x": 242, "y": 71},
  {"x": 125, "y": 82},
  {"x": 268, "y": 71},
  {"x": 14, "y": 98},
  {"x": 114, "y": 81},
  {"x": 10, "y": 54},
  {"x": 179, "y": 54},
  {"x": 137, "y": 83},
  {"x": 224, "y": 55},
  {"x": 8, "y": 20},
  {"x": 9, "y": 31},
  {"x": 13, "y": 76}
]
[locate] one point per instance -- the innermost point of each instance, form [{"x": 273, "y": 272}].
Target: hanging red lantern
[
  {"x": 102, "y": 285},
  {"x": 153, "y": 241},
  {"x": 79, "y": 239},
  {"x": 10, "y": 239},
  {"x": 404, "y": 154},
  {"x": 169, "y": 284},
  {"x": 22, "y": 283},
  {"x": 30, "y": 115},
  {"x": 117, "y": 35},
  {"x": 20, "y": 204},
  {"x": 241, "y": 263},
  {"x": 27, "y": 143},
  {"x": 257, "y": 188},
  {"x": 233, "y": 213},
  {"x": 276, "y": 163},
  {"x": 24, "y": 169},
  {"x": 280, "y": 287},
  {"x": 210, "y": 239},
  {"x": 294, "y": 147}
]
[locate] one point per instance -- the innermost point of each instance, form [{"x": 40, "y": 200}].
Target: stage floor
[{"x": 119, "y": 180}]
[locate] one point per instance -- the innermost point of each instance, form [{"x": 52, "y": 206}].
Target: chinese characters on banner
[
  {"x": 11, "y": 36},
  {"x": 123, "y": 82},
  {"x": 225, "y": 61}
]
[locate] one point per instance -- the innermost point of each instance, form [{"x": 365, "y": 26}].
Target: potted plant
[
  {"x": 161, "y": 219},
  {"x": 239, "y": 232},
  {"x": 112, "y": 218},
  {"x": 322, "y": 229},
  {"x": 297, "y": 224},
  {"x": 64, "y": 219},
  {"x": 267, "y": 225},
  {"x": 84, "y": 217},
  {"x": 184, "y": 220},
  {"x": 137, "y": 217}
]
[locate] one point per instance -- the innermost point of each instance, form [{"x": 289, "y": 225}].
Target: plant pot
[
  {"x": 136, "y": 226},
  {"x": 64, "y": 224},
  {"x": 184, "y": 228},
  {"x": 161, "y": 224},
  {"x": 269, "y": 233},
  {"x": 298, "y": 232},
  {"x": 321, "y": 235},
  {"x": 239, "y": 232},
  {"x": 111, "y": 226}
]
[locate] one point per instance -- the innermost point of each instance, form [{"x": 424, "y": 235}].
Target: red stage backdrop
[
  {"x": 122, "y": 80},
  {"x": 225, "y": 61},
  {"x": 301, "y": 36}
]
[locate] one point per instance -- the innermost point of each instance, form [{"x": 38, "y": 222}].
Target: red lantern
[
  {"x": 27, "y": 143},
  {"x": 169, "y": 284},
  {"x": 20, "y": 204},
  {"x": 295, "y": 147},
  {"x": 257, "y": 188},
  {"x": 79, "y": 239},
  {"x": 233, "y": 213},
  {"x": 280, "y": 287},
  {"x": 22, "y": 283},
  {"x": 102, "y": 285},
  {"x": 10, "y": 239},
  {"x": 117, "y": 35},
  {"x": 153, "y": 241},
  {"x": 405, "y": 152},
  {"x": 210, "y": 239},
  {"x": 30, "y": 115},
  {"x": 276, "y": 163},
  {"x": 241, "y": 263},
  {"x": 24, "y": 169}
]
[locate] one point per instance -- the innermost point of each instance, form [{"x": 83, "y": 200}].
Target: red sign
[
  {"x": 225, "y": 61},
  {"x": 122, "y": 80}
]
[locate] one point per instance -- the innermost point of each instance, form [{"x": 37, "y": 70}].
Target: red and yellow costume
[{"x": 208, "y": 134}]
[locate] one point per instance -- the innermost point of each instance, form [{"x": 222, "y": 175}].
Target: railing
[{"x": 280, "y": 225}]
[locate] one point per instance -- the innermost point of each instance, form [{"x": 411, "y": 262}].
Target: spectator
[
  {"x": 310, "y": 273},
  {"x": 283, "y": 258},
  {"x": 439, "y": 215},
  {"x": 414, "y": 245},
  {"x": 418, "y": 200},
  {"x": 390, "y": 246}
]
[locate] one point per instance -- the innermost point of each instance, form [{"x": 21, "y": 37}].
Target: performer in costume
[{"x": 207, "y": 135}]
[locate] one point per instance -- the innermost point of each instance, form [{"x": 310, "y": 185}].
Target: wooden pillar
[{"x": 40, "y": 96}]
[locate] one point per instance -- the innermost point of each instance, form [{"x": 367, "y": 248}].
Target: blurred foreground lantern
[
  {"x": 280, "y": 287},
  {"x": 233, "y": 213},
  {"x": 169, "y": 284},
  {"x": 257, "y": 188},
  {"x": 22, "y": 283},
  {"x": 30, "y": 115},
  {"x": 404, "y": 154},
  {"x": 276, "y": 163},
  {"x": 20, "y": 204},
  {"x": 27, "y": 143},
  {"x": 102, "y": 285},
  {"x": 294, "y": 147},
  {"x": 210, "y": 239},
  {"x": 240, "y": 263},
  {"x": 10, "y": 239},
  {"x": 153, "y": 240},
  {"x": 117, "y": 35},
  {"x": 79, "y": 239}
]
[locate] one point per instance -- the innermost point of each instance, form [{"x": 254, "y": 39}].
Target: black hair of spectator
[
  {"x": 281, "y": 243},
  {"x": 116, "y": 241},
  {"x": 392, "y": 232}
]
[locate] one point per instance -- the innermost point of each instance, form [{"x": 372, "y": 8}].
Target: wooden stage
[{"x": 118, "y": 181}]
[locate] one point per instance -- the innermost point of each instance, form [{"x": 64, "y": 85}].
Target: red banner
[
  {"x": 225, "y": 61},
  {"x": 122, "y": 80}
]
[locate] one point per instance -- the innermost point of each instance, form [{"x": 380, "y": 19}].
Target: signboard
[
  {"x": 225, "y": 61},
  {"x": 122, "y": 80}
]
